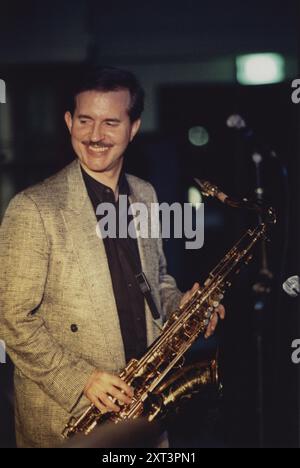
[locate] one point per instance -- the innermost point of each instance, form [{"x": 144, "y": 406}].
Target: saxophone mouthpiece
[{"x": 210, "y": 190}]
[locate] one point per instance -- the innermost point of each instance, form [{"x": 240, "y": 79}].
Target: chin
[
  {"x": 93, "y": 162},
  {"x": 96, "y": 167},
  {"x": 99, "y": 164}
]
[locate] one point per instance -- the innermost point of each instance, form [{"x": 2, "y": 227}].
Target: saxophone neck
[{"x": 210, "y": 190}]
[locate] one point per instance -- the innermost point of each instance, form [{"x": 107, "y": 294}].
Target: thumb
[
  {"x": 189, "y": 293},
  {"x": 195, "y": 287}
]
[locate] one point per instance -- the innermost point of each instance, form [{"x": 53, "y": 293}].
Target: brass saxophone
[{"x": 155, "y": 378}]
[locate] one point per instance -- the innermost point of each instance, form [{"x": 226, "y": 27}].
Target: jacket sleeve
[
  {"x": 24, "y": 255},
  {"x": 170, "y": 295}
]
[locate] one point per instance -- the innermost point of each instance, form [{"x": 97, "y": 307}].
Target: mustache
[{"x": 97, "y": 144}]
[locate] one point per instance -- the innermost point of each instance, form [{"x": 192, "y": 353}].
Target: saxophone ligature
[{"x": 157, "y": 382}]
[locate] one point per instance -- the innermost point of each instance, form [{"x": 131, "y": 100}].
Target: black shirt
[{"x": 124, "y": 263}]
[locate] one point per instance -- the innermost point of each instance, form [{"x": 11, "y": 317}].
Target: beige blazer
[{"x": 54, "y": 274}]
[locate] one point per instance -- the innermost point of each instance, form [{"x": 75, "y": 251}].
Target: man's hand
[
  {"x": 102, "y": 387},
  {"x": 219, "y": 311}
]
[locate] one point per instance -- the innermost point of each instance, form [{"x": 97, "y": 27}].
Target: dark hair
[{"x": 111, "y": 79}]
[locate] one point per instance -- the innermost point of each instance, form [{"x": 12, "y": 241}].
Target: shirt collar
[{"x": 102, "y": 189}]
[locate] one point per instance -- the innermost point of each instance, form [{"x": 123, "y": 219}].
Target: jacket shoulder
[
  {"x": 52, "y": 183},
  {"x": 49, "y": 191},
  {"x": 141, "y": 186}
]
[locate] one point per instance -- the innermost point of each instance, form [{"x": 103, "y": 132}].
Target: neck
[{"x": 110, "y": 179}]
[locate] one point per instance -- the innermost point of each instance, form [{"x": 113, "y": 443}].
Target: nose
[{"x": 97, "y": 133}]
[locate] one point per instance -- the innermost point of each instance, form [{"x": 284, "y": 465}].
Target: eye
[
  {"x": 82, "y": 121},
  {"x": 112, "y": 123}
]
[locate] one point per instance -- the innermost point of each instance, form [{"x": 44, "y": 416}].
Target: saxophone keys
[{"x": 208, "y": 312}]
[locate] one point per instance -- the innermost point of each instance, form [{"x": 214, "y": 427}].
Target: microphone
[{"x": 292, "y": 286}]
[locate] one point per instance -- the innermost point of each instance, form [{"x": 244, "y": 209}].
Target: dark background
[{"x": 184, "y": 54}]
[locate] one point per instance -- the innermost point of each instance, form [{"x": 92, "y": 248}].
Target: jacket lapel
[
  {"x": 81, "y": 222},
  {"x": 147, "y": 252}
]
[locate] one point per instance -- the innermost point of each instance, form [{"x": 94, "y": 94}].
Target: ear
[
  {"x": 135, "y": 128},
  {"x": 69, "y": 120}
]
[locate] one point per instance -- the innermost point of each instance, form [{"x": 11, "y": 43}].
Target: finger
[
  {"x": 117, "y": 382},
  {"x": 221, "y": 311},
  {"x": 93, "y": 399},
  {"x": 214, "y": 321},
  {"x": 119, "y": 395},
  {"x": 212, "y": 325},
  {"x": 195, "y": 288},
  {"x": 189, "y": 293},
  {"x": 113, "y": 380},
  {"x": 109, "y": 404},
  {"x": 184, "y": 299}
]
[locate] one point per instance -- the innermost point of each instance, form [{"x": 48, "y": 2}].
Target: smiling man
[
  {"x": 101, "y": 129},
  {"x": 72, "y": 310}
]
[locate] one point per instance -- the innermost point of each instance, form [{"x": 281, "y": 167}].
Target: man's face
[{"x": 101, "y": 129}]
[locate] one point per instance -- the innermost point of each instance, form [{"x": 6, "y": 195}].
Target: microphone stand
[{"x": 261, "y": 292}]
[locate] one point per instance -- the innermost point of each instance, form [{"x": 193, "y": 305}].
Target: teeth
[{"x": 98, "y": 149}]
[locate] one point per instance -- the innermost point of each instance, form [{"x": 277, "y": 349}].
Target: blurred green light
[
  {"x": 194, "y": 197},
  {"x": 198, "y": 136},
  {"x": 258, "y": 69}
]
